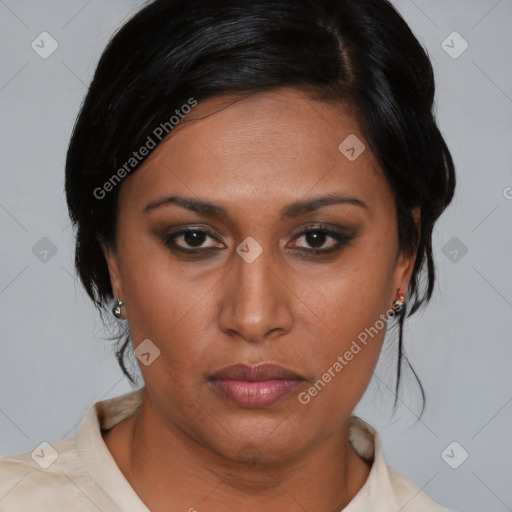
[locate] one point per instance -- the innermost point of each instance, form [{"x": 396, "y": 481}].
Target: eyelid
[{"x": 329, "y": 228}]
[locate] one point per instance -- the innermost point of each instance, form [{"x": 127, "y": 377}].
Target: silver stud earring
[
  {"x": 116, "y": 311},
  {"x": 399, "y": 303}
]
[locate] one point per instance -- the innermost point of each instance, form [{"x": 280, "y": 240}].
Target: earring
[
  {"x": 399, "y": 303},
  {"x": 116, "y": 311}
]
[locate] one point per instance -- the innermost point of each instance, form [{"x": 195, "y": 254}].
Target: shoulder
[
  {"x": 75, "y": 473},
  {"x": 46, "y": 478},
  {"x": 410, "y": 497},
  {"x": 44, "y": 460},
  {"x": 385, "y": 489}
]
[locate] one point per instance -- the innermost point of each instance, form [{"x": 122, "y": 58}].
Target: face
[{"x": 305, "y": 287}]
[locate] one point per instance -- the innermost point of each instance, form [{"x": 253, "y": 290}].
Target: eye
[
  {"x": 316, "y": 237},
  {"x": 192, "y": 240}
]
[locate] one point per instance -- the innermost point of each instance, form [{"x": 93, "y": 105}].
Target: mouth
[{"x": 255, "y": 386}]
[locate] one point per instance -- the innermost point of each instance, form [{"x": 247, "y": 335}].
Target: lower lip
[{"x": 256, "y": 394}]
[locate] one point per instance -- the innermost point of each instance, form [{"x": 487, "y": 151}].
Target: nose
[{"x": 255, "y": 305}]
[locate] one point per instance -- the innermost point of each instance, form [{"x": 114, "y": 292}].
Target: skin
[{"x": 189, "y": 447}]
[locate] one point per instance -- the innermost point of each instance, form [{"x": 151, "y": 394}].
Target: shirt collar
[
  {"x": 96, "y": 456},
  {"x": 376, "y": 494}
]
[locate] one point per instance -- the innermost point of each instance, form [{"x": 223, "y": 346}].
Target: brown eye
[
  {"x": 192, "y": 239},
  {"x": 317, "y": 237}
]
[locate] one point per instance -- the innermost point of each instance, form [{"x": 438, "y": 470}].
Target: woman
[{"x": 254, "y": 184}]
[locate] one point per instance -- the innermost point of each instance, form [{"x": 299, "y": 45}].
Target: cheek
[
  {"x": 167, "y": 307},
  {"x": 351, "y": 314},
  {"x": 156, "y": 299},
  {"x": 352, "y": 298},
  {"x": 345, "y": 360}
]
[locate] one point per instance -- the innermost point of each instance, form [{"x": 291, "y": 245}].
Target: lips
[
  {"x": 266, "y": 371},
  {"x": 255, "y": 386}
]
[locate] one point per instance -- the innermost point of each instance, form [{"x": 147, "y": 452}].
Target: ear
[
  {"x": 405, "y": 263},
  {"x": 113, "y": 268}
]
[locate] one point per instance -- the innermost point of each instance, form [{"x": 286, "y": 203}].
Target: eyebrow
[{"x": 291, "y": 210}]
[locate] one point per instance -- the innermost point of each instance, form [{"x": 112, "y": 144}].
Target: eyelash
[{"x": 342, "y": 240}]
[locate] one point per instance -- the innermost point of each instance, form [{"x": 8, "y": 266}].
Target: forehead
[{"x": 275, "y": 146}]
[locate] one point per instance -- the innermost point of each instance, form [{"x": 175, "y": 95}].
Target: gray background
[{"x": 54, "y": 362}]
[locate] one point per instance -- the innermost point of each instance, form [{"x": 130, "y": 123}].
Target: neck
[{"x": 165, "y": 465}]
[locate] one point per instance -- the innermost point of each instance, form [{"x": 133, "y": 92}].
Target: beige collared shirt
[{"x": 79, "y": 474}]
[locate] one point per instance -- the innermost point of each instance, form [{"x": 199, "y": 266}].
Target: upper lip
[{"x": 261, "y": 372}]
